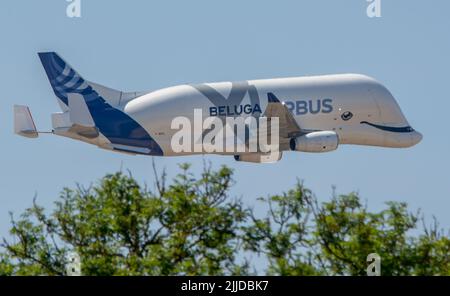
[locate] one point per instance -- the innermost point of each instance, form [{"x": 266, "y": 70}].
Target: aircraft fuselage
[{"x": 358, "y": 108}]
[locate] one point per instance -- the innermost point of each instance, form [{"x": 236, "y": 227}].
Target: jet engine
[{"x": 323, "y": 141}]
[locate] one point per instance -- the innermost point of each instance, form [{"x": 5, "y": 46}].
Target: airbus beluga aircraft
[{"x": 314, "y": 114}]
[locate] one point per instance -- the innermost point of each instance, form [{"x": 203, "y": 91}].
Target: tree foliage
[{"x": 193, "y": 226}]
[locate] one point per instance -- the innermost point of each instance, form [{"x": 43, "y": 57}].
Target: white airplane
[{"x": 315, "y": 114}]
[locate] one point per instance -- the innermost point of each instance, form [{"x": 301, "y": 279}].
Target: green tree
[
  {"x": 347, "y": 232},
  {"x": 284, "y": 234},
  {"x": 119, "y": 228},
  {"x": 6, "y": 268},
  {"x": 193, "y": 226}
]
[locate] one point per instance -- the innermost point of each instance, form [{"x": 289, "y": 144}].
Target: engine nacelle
[
  {"x": 316, "y": 142},
  {"x": 259, "y": 157}
]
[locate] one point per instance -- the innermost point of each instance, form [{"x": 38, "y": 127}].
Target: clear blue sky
[{"x": 145, "y": 45}]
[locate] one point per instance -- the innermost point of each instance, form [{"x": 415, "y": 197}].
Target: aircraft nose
[{"x": 416, "y": 137}]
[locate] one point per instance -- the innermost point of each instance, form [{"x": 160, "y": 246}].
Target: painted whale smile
[{"x": 405, "y": 129}]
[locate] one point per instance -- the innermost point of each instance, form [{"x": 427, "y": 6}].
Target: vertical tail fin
[
  {"x": 92, "y": 106},
  {"x": 63, "y": 78}
]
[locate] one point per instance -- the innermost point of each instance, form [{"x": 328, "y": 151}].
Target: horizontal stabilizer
[
  {"x": 79, "y": 111},
  {"x": 23, "y": 122},
  {"x": 83, "y": 131}
]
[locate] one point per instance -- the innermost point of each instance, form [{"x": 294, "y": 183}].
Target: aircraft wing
[{"x": 288, "y": 126}]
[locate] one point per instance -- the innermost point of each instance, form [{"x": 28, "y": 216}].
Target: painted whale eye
[{"x": 347, "y": 115}]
